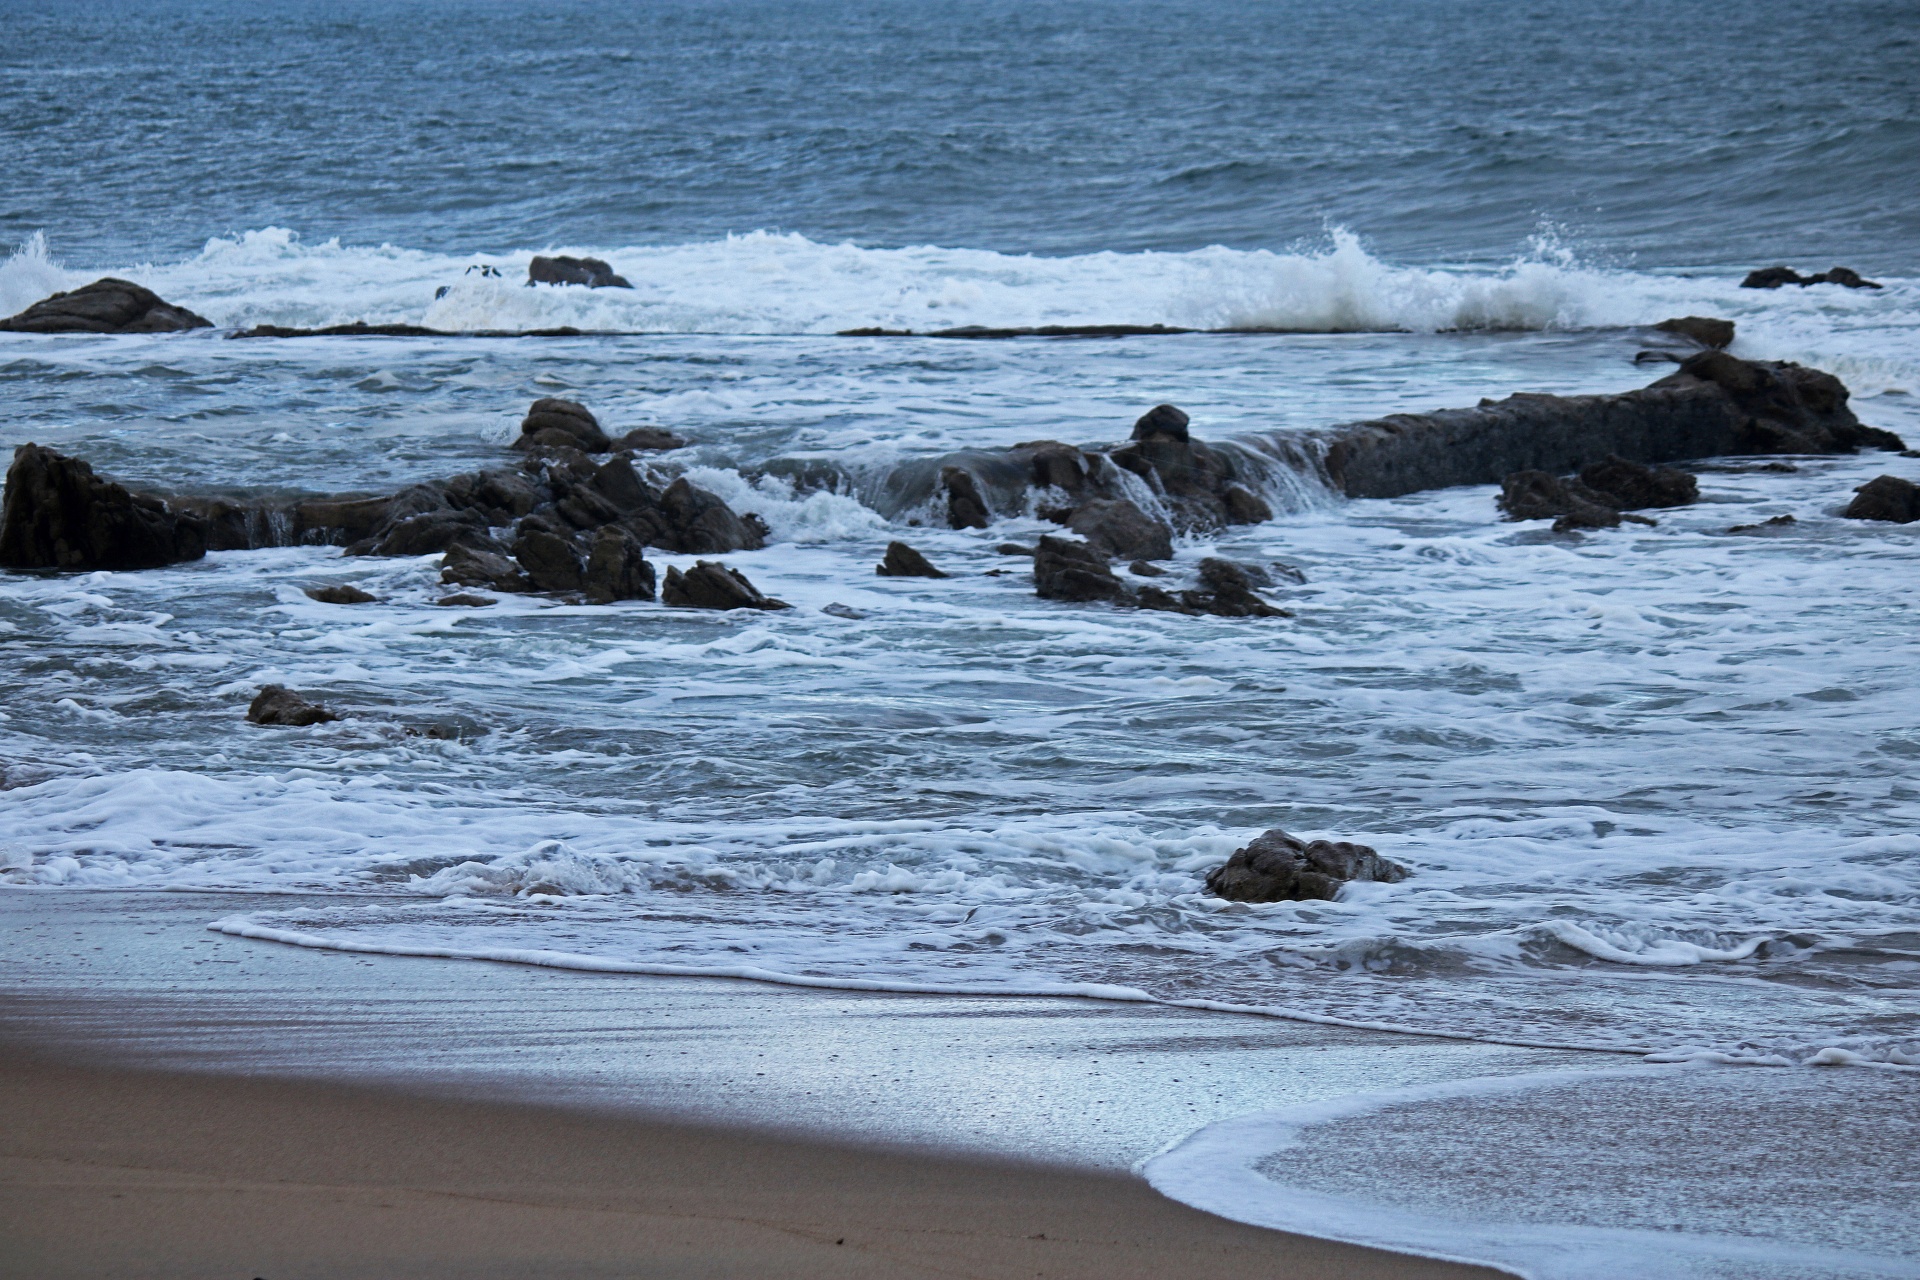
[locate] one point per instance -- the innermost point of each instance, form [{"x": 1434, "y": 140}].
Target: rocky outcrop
[
  {"x": 1885, "y": 498},
  {"x": 1600, "y": 497},
  {"x": 552, "y": 423},
  {"x": 59, "y": 515},
  {"x": 902, "y": 561},
  {"x": 279, "y": 705},
  {"x": 105, "y": 306},
  {"x": 710, "y": 585},
  {"x": 1118, "y": 529},
  {"x": 1776, "y": 277},
  {"x": 1064, "y": 569},
  {"x": 560, "y": 269},
  {"x": 617, "y": 567},
  {"x": 1707, "y": 332},
  {"x": 1277, "y": 867},
  {"x": 1714, "y": 404}
]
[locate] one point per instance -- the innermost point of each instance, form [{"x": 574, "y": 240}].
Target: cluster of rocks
[
  {"x": 1277, "y": 867},
  {"x": 560, "y": 269},
  {"x": 1776, "y": 277},
  {"x": 1602, "y": 495},
  {"x": 107, "y": 305},
  {"x": 1069, "y": 569}
]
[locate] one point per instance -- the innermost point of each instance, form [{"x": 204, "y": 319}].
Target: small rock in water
[
  {"x": 279, "y": 705},
  {"x": 711, "y": 585},
  {"x": 902, "y": 561},
  {"x": 1775, "y": 277},
  {"x": 645, "y": 439},
  {"x": 1162, "y": 422},
  {"x": 1277, "y": 867},
  {"x": 1632, "y": 486},
  {"x": 1227, "y": 591},
  {"x": 105, "y": 306},
  {"x": 1885, "y": 498},
  {"x": 846, "y": 611},
  {"x": 1705, "y": 330},
  {"x": 1064, "y": 569},
  {"x": 1777, "y": 522},
  {"x": 1013, "y": 549},
  {"x": 554, "y": 423},
  {"x": 341, "y": 593},
  {"x": 469, "y": 566},
  {"x": 559, "y": 269},
  {"x": 1146, "y": 569},
  {"x": 466, "y": 600},
  {"x": 966, "y": 509}
]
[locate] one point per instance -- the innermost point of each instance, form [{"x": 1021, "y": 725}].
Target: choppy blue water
[{"x": 1656, "y": 785}]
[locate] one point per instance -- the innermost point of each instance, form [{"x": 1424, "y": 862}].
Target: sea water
[{"x": 1656, "y": 785}]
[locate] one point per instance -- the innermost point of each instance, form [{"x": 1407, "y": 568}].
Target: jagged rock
[
  {"x": 617, "y": 568},
  {"x": 422, "y": 535},
  {"x": 465, "y": 600},
  {"x": 560, "y": 269},
  {"x": 1772, "y": 525},
  {"x": 553, "y": 423},
  {"x": 710, "y": 585},
  {"x": 1630, "y": 486},
  {"x": 1198, "y": 484},
  {"x": 966, "y": 509},
  {"x": 466, "y": 565},
  {"x": 1775, "y": 277},
  {"x": 1598, "y": 498},
  {"x": 105, "y": 306},
  {"x": 902, "y": 561},
  {"x": 59, "y": 515},
  {"x": 1227, "y": 591},
  {"x": 279, "y": 705},
  {"x": 1067, "y": 570},
  {"x": 691, "y": 521},
  {"x": 1277, "y": 867},
  {"x": 1535, "y": 495},
  {"x": 552, "y": 563},
  {"x": 1885, "y": 498},
  {"x": 1706, "y": 331},
  {"x": 646, "y": 439},
  {"x": 1120, "y": 530},
  {"x": 499, "y": 497},
  {"x": 341, "y": 594}
]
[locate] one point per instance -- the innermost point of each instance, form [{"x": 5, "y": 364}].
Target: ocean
[{"x": 1657, "y": 786}]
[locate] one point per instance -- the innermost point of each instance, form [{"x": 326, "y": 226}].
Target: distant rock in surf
[
  {"x": 341, "y": 593},
  {"x": 1776, "y": 277},
  {"x": 107, "y": 305},
  {"x": 279, "y": 705},
  {"x": 1708, "y": 332},
  {"x": 59, "y": 515},
  {"x": 591, "y": 272},
  {"x": 709, "y": 585},
  {"x": 1079, "y": 572},
  {"x": 902, "y": 561},
  {"x": 1277, "y": 867},
  {"x": 1885, "y": 498},
  {"x": 650, "y": 440}
]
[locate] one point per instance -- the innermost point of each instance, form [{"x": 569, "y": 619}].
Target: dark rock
[
  {"x": 1120, "y": 530},
  {"x": 422, "y": 535},
  {"x": 1227, "y": 591},
  {"x": 1277, "y": 867},
  {"x": 341, "y": 594},
  {"x": 1160, "y": 600},
  {"x": 617, "y": 568},
  {"x": 1765, "y": 526},
  {"x": 1631, "y": 486},
  {"x": 499, "y": 497},
  {"x": 1535, "y": 495},
  {"x": 902, "y": 561},
  {"x": 466, "y": 565},
  {"x": 691, "y": 521},
  {"x": 1244, "y": 506},
  {"x": 279, "y": 705},
  {"x": 645, "y": 439},
  {"x": 105, "y": 306},
  {"x": 552, "y": 563},
  {"x": 966, "y": 509},
  {"x": 1192, "y": 479},
  {"x": 1846, "y": 276},
  {"x": 1013, "y": 549},
  {"x": 1146, "y": 569},
  {"x": 1162, "y": 422},
  {"x": 339, "y": 521},
  {"x": 1058, "y": 466},
  {"x": 846, "y": 611},
  {"x": 1885, "y": 498},
  {"x": 559, "y": 269},
  {"x": 552, "y": 423},
  {"x": 1775, "y": 277},
  {"x": 59, "y": 515},
  {"x": 1704, "y": 330},
  {"x": 1067, "y": 570},
  {"x": 465, "y": 600},
  {"x": 709, "y": 585}
]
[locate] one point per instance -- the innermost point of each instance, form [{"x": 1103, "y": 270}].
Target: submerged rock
[
  {"x": 465, "y": 600},
  {"x": 1775, "y": 277},
  {"x": 902, "y": 561},
  {"x": 1771, "y": 525},
  {"x": 105, "y": 306},
  {"x": 341, "y": 593},
  {"x": 709, "y": 585},
  {"x": 1706, "y": 331},
  {"x": 279, "y": 705},
  {"x": 59, "y": 515},
  {"x": 650, "y": 440},
  {"x": 560, "y": 269},
  {"x": 1277, "y": 867},
  {"x": 1885, "y": 498}
]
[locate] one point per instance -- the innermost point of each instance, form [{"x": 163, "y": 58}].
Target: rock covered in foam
[
  {"x": 59, "y": 515},
  {"x": 107, "y": 305},
  {"x": 1278, "y": 867}
]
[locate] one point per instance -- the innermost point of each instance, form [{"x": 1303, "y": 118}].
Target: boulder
[
  {"x": 649, "y": 439},
  {"x": 1226, "y": 590},
  {"x": 1597, "y": 497},
  {"x": 105, "y": 306},
  {"x": 1064, "y": 569},
  {"x": 1775, "y": 277},
  {"x": 1885, "y": 498},
  {"x": 1118, "y": 529},
  {"x": 560, "y": 269},
  {"x": 1199, "y": 485},
  {"x": 1632, "y": 486},
  {"x": 499, "y": 497},
  {"x": 1704, "y": 330},
  {"x": 552, "y": 562},
  {"x": 59, "y": 515},
  {"x": 466, "y": 565},
  {"x": 1162, "y": 422},
  {"x": 341, "y": 593},
  {"x": 279, "y": 705},
  {"x": 902, "y": 561},
  {"x": 465, "y": 600},
  {"x": 966, "y": 509},
  {"x": 553, "y": 423},
  {"x": 1535, "y": 495},
  {"x": 710, "y": 585},
  {"x": 617, "y": 568},
  {"x": 1277, "y": 867}
]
